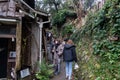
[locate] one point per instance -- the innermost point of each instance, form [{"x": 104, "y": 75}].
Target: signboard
[
  {"x": 12, "y": 54},
  {"x": 24, "y": 72}
]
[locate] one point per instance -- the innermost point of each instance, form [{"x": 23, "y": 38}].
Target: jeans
[
  {"x": 58, "y": 66},
  {"x": 68, "y": 70}
]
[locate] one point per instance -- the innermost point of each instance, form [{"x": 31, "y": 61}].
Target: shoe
[
  {"x": 66, "y": 78},
  {"x": 69, "y": 78},
  {"x": 56, "y": 73}
]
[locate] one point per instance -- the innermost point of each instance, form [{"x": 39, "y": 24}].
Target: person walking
[
  {"x": 59, "y": 53},
  {"x": 56, "y": 56},
  {"x": 69, "y": 55}
]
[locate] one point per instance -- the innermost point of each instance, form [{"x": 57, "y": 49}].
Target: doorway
[{"x": 3, "y": 57}]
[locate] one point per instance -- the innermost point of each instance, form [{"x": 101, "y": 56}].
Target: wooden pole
[
  {"x": 45, "y": 46},
  {"x": 18, "y": 45}
]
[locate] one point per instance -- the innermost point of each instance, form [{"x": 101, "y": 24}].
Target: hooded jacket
[{"x": 69, "y": 53}]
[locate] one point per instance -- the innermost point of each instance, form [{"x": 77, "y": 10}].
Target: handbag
[{"x": 76, "y": 66}]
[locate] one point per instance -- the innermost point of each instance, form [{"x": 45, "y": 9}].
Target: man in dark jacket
[{"x": 69, "y": 55}]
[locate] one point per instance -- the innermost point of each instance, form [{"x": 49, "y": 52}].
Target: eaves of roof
[{"x": 33, "y": 10}]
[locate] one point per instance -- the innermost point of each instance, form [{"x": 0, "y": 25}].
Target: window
[{"x": 7, "y": 30}]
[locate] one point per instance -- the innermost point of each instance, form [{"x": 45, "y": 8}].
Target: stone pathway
[{"x": 61, "y": 76}]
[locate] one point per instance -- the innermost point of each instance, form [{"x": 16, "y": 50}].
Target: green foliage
[
  {"x": 98, "y": 28},
  {"x": 67, "y": 4},
  {"x": 106, "y": 48},
  {"x": 107, "y": 24},
  {"x": 50, "y": 6},
  {"x": 68, "y": 29},
  {"x": 60, "y": 17},
  {"x": 106, "y": 71},
  {"x": 45, "y": 71},
  {"x": 88, "y": 3}
]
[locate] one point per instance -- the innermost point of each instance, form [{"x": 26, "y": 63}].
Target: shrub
[{"x": 45, "y": 71}]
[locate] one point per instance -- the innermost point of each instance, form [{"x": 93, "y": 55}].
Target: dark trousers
[{"x": 58, "y": 67}]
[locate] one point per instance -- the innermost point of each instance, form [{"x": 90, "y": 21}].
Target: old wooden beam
[
  {"x": 18, "y": 45},
  {"x": 7, "y": 36}
]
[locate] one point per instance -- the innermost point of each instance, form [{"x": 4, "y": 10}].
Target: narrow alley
[{"x": 61, "y": 76}]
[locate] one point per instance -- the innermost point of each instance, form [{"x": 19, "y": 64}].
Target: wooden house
[{"x": 22, "y": 38}]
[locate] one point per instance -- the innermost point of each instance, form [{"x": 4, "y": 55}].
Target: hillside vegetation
[{"x": 98, "y": 44}]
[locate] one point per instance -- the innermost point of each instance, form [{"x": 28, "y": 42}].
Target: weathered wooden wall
[
  {"x": 26, "y": 44},
  {"x": 35, "y": 46},
  {"x": 8, "y": 8}
]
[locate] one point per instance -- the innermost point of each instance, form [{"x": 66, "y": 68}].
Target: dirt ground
[{"x": 61, "y": 76}]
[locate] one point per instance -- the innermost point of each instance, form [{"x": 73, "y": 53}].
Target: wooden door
[{"x": 3, "y": 57}]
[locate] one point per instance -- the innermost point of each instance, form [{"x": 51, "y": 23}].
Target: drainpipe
[{"x": 40, "y": 43}]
